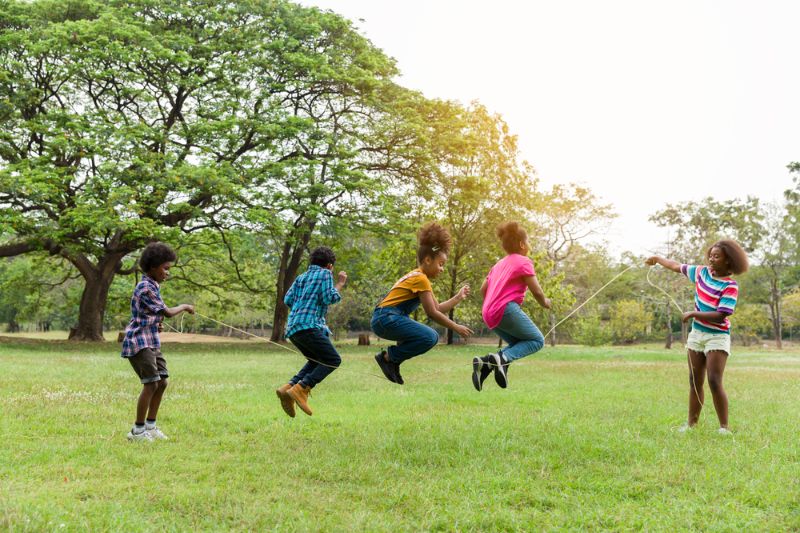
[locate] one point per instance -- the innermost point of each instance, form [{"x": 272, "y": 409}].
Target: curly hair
[
  {"x": 734, "y": 254},
  {"x": 156, "y": 254},
  {"x": 433, "y": 239},
  {"x": 322, "y": 256},
  {"x": 511, "y": 235}
]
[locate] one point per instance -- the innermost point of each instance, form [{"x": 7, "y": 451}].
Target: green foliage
[
  {"x": 591, "y": 331},
  {"x": 629, "y": 321},
  {"x": 749, "y": 322}
]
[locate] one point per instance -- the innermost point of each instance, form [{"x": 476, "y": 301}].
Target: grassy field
[{"x": 583, "y": 439}]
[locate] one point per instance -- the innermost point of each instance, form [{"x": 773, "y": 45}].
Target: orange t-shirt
[{"x": 407, "y": 288}]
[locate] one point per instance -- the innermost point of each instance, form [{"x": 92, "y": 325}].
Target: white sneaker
[
  {"x": 724, "y": 431},
  {"x": 686, "y": 428},
  {"x": 143, "y": 436},
  {"x": 156, "y": 434}
]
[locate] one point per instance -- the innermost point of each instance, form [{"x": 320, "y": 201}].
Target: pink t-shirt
[{"x": 505, "y": 284}]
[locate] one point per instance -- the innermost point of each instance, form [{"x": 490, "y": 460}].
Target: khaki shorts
[
  {"x": 149, "y": 365},
  {"x": 700, "y": 341}
]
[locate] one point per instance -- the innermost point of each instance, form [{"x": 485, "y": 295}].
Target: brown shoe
[
  {"x": 286, "y": 401},
  {"x": 300, "y": 395}
]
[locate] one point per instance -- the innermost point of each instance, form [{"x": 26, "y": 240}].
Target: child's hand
[
  {"x": 188, "y": 308},
  {"x": 650, "y": 261},
  {"x": 547, "y": 303},
  {"x": 463, "y": 331},
  {"x": 160, "y": 327},
  {"x": 463, "y": 293},
  {"x": 687, "y": 316},
  {"x": 342, "y": 278}
]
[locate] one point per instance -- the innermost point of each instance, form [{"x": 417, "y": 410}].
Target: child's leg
[
  {"x": 161, "y": 386},
  {"x": 307, "y": 369},
  {"x": 519, "y": 331},
  {"x": 145, "y": 397},
  {"x": 697, "y": 376},
  {"x": 716, "y": 367},
  {"x": 412, "y": 338},
  {"x": 315, "y": 343}
]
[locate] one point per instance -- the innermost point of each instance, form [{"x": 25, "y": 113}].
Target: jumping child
[
  {"x": 391, "y": 319},
  {"x": 503, "y": 292},
  {"x": 142, "y": 345},
  {"x": 709, "y": 342},
  {"x": 309, "y": 298}
]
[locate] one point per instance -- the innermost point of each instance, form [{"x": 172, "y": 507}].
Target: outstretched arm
[
  {"x": 669, "y": 264},
  {"x": 431, "y": 308},
  {"x": 170, "y": 312},
  {"x": 460, "y": 296},
  {"x": 536, "y": 290}
]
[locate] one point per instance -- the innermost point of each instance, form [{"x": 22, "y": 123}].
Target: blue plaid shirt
[
  {"x": 309, "y": 298},
  {"x": 146, "y": 310}
]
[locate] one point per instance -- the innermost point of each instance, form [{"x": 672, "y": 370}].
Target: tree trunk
[
  {"x": 94, "y": 299},
  {"x": 450, "y": 315},
  {"x": 775, "y": 311},
  {"x": 668, "y": 344},
  {"x": 552, "y": 325},
  {"x": 290, "y": 262}
]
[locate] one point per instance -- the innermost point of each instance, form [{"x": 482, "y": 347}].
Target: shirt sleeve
[
  {"x": 290, "y": 296},
  {"x": 328, "y": 291},
  {"x": 526, "y": 268},
  {"x": 151, "y": 302},
  {"x": 727, "y": 302},
  {"x": 421, "y": 283},
  {"x": 690, "y": 271}
]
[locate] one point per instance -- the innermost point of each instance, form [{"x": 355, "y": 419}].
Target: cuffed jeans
[
  {"x": 315, "y": 344},
  {"x": 413, "y": 338},
  {"x": 519, "y": 331}
]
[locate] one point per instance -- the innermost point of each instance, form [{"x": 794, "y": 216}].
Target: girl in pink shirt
[{"x": 503, "y": 292}]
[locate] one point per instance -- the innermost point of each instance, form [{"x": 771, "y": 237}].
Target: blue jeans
[
  {"x": 315, "y": 344},
  {"x": 394, "y": 324},
  {"x": 519, "y": 331}
]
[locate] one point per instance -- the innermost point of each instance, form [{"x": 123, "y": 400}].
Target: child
[
  {"x": 142, "y": 346},
  {"x": 309, "y": 298},
  {"x": 391, "y": 320},
  {"x": 709, "y": 342},
  {"x": 503, "y": 292}
]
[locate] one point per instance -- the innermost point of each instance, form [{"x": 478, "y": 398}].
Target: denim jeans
[
  {"x": 519, "y": 331},
  {"x": 315, "y": 344},
  {"x": 394, "y": 324}
]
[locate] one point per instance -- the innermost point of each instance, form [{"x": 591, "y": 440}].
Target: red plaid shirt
[{"x": 146, "y": 310}]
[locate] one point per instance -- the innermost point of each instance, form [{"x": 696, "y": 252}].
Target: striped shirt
[
  {"x": 309, "y": 298},
  {"x": 712, "y": 294},
  {"x": 146, "y": 310}
]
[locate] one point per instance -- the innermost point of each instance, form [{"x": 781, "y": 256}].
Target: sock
[
  {"x": 151, "y": 423},
  {"x": 137, "y": 428}
]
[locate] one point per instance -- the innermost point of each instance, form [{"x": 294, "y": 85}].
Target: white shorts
[{"x": 700, "y": 341}]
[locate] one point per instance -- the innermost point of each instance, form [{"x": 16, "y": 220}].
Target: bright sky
[{"x": 644, "y": 102}]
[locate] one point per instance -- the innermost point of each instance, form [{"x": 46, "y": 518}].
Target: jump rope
[{"x": 601, "y": 289}]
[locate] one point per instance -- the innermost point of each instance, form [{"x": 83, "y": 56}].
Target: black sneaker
[
  {"x": 398, "y": 377},
  {"x": 386, "y": 366},
  {"x": 481, "y": 368},
  {"x": 500, "y": 369}
]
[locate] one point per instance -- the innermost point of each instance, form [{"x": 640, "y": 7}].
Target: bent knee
[{"x": 162, "y": 383}]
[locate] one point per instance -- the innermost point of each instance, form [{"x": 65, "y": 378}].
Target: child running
[
  {"x": 503, "y": 292},
  {"x": 309, "y": 298},
  {"x": 391, "y": 319},
  {"x": 709, "y": 342},
  {"x": 142, "y": 345}
]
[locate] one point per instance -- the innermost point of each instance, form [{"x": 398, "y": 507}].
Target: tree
[
  {"x": 751, "y": 321},
  {"x": 629, "y": 320}
]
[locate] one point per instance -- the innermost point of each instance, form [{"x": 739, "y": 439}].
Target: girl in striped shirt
[{"x": 709, "y": 342}]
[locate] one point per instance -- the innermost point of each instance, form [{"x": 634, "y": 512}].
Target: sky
[{"x": 644, "y": 102}]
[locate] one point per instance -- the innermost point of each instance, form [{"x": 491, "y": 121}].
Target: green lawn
[{"x": 584, "y": 438}]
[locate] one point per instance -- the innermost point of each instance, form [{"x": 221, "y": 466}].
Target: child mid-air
[
  {"x": 709, "y": 342},
  {"x": 391, "y": 319},
  {"x": 309, "y": 298},
  {"x": 503, "y": 292},
  {"x": 142, "y": 345}
]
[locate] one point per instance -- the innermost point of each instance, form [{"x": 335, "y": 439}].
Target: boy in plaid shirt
[
  {"x": 141, "y": 345},
  {"x": 309, "y": 298}
]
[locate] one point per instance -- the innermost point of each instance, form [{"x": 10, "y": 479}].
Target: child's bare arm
[
  {"x": 170, "y": 312},
  {"x": 460, "y": 296},
  {"x": 431, "y": 308},
  {"x": 709, "y": 316},
  {"x": 536, "y": 290},
  {"x": 669, "y": 264}
]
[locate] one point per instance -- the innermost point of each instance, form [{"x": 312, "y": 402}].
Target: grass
[{"x": 584, "y": 438}]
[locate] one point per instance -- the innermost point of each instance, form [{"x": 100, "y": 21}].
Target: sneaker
[
  {"x": 398, "y": 378},
  {"x": 481, "y": 368},
  {"x": 300, "y": 394},
  {"x": 686, "y": 428},
  {"x": 500, "y": 369},
  {"x": 143, "y": 436},
  {"x": 286, "y": 401},
  {"x": 387, "y": 367},
  {"x": 156, "y": 433},
  {"x": 724, "y": 431}
]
